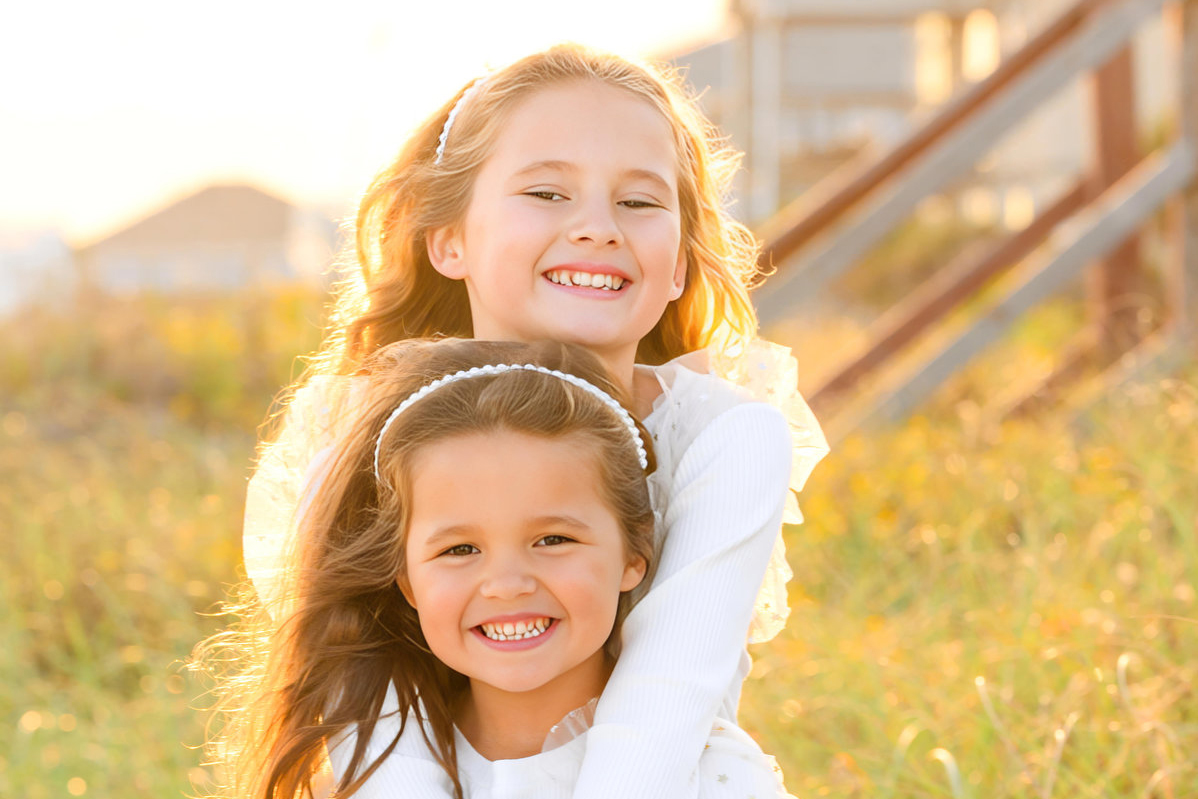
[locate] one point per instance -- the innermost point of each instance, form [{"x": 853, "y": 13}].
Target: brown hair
[
  {"x": 394, "y": 292},
  {"x": 348, "y": 632}
]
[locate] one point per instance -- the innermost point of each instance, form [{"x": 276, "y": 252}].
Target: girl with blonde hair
[{"x": 577, "y": 197}]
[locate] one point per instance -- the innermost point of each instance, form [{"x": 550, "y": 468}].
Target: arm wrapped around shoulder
[{"x": 683, "y": 642}]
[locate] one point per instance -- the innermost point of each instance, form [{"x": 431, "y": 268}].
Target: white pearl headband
[
  {"x": 453, "y": 113},
  {"x": 500, "y": 368}
]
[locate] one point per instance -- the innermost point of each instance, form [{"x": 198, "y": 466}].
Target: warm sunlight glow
[
  {"x": 933, "y": 59},
  {"x": 126, "y": 107},
  {"x": 981, "y": 51},
  {"x": 1019, "y": 208},
  {"x": 980, "y": 205}
]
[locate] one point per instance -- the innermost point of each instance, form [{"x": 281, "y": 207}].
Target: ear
[
  {"x": 634, "y": 572},
  {"x": 679, "y": 274},
  {"x": 445, "y": 252}
]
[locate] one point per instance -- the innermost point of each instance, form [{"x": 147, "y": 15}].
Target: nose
[
  {"x": 507, "y": 576},
  {"x": 595, "y": 223}
]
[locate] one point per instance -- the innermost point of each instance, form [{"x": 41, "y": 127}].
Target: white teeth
[
  {"x": 605, "y": 282},
  {"x": 507, "y": 631}
]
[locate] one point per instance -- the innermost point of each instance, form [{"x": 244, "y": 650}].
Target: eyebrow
[
  {"x": 447, "y": 532},
  {"x": 450, "y": 531},
  {"x": 566, "y": 166},
  {"x": 560, "y": 521}
]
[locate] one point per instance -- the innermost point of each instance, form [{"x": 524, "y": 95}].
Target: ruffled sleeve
[
  {"x": 770, "y": 374},
  {"x": 733, "y": 767},
  {"x": 287, "y": 472}
]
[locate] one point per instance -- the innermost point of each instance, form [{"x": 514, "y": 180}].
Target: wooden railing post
[
  {"x": 1115, "y": 284},
  {"x": 1183, "y": 272}
]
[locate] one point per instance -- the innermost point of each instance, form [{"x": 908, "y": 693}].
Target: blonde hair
[
  {"x": 349, "y": 633},
  {"x": 395, "y": 293}
]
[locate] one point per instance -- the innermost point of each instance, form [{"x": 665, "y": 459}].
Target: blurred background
[{"x": 982, "y": 223}]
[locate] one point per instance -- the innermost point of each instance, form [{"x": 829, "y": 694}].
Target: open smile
[
  {"x": 515, "y": 631},
  {"x": 594, "y": 280},
  {"x": 517, "y": 634}
]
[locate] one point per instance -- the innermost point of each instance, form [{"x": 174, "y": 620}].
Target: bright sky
[{"x": 108, "y": 109}]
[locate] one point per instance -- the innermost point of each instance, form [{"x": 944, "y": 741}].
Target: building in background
[
  {"x": 35, "y": 266},
  {"x": 801, "y": 86},
  {"x": 222, "y": 237}
]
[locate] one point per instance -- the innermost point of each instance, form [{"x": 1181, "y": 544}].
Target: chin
[
  {"x": 516, "y": 684},
  {"x": 596, "y": 338}
]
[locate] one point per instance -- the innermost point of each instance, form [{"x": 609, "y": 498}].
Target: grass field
[{"x": 977, "y": 612}]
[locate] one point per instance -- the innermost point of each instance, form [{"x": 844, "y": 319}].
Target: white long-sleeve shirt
[
  {"x": 731, "y": 766},
  {"x": 725, "y": 463},
  {"x": 721, "y": 497}
]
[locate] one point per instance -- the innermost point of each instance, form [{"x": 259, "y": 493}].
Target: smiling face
[
  {"x": 515, "y": 562},
  {"x": 573, "y": 231}
]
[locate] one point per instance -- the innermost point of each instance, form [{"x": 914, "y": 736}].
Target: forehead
[
  {"x": 505, "y": 475},
  {"x": 589, "y": 124}
]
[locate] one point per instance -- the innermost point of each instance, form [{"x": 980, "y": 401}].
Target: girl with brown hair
[{"x": 456, "y": 588}]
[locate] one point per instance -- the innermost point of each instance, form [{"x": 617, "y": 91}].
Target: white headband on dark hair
[
  {"x": 453, "y": 112},
  {"x": 500, "y": 368}
]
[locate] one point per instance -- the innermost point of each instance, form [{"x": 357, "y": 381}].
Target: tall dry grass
[
  {"x": 977, "y": 611},
  {"x": 1010, "y": 612},
  {"x": 127, "y": 433}
]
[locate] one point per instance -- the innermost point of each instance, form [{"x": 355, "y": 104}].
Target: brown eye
[{"x": 461, "y": 550}]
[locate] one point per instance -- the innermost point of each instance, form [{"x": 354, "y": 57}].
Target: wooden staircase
[{"x": 1091, "y": 225}]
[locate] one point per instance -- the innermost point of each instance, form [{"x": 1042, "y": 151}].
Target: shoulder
[
  {"x": 770, "y": 373},
  {"x": 311, "y": 418},
  {"x": 325, "y": 399},
  {"x": 409, "y": 762},
  {"x": 704, "y": 407},
  {"x": 690, "y": 387},
  {"x": 391, "y": 722}
]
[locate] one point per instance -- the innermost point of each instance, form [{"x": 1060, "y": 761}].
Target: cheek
[
  {"x": 439, "y": 608},
  {"x": 509, "y": 227},
  {"x": 595, "y": 587},
  {"x": 435, "y": 598},
  {"x": 661, "y": 240}
]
